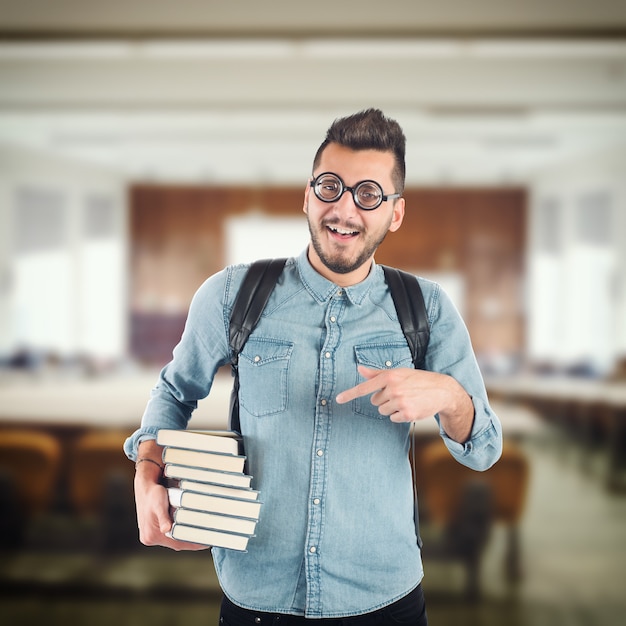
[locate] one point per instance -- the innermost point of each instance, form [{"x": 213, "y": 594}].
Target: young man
[{"x": 328, "y": 392}]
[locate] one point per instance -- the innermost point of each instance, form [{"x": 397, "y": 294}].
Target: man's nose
[{"x": 346, "y": 203}]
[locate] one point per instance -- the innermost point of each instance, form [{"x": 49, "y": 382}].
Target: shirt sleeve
[
  {"x": 450, "y": 352},
  {"x": 188, "y": 377}
]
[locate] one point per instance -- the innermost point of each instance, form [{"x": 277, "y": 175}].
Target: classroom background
[{"x": 144, "y": 145}]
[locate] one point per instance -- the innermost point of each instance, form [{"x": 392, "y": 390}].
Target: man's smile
[{"x": 343, "y": 233}]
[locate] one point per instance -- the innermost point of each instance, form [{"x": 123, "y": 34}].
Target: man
[{"x": 328, "y": 392}]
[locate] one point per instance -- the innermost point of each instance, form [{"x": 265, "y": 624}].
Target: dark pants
[{"x": 410, "y": 611}]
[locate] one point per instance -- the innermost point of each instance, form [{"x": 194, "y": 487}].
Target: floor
[{"x": 573, "y": 540}]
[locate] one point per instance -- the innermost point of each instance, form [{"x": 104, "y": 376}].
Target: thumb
[
  {"x": 164, "y": 519},
  {"x": 165, "y": 522}
]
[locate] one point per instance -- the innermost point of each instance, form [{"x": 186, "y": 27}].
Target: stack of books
[{"x": 213, "y": 502}]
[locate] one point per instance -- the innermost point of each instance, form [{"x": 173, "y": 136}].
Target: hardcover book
[
  {"x": 202, "y": 519},
  {"x": 214, "y": 504},
  {"x": 210, "y": 537},
  {"x": 199, "y": 474},
  {"x": 220, "y": 441},
  {"x": 218, "y": 490},
  {"x": 207, "y": 460}
]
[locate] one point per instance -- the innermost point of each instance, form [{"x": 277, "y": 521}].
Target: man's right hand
[{"x": 153, "y": 507}]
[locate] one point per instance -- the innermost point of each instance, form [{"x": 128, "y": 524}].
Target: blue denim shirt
[{"x": 336, "y": 535}]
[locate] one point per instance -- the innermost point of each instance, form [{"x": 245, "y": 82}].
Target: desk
[
  {"x": 581, "y": 406},
  {"x": 112, "y": 401}
]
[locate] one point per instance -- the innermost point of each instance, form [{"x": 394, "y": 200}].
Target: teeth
[{"x": 343, "y": 232}]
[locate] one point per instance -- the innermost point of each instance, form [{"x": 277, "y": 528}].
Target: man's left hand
[{"x": 407, "y": 395}]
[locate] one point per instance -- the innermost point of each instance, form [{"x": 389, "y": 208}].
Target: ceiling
[{"x": 242, "y": 92}]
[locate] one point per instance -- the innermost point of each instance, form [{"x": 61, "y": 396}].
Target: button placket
[{"x": 322, "y": 425}]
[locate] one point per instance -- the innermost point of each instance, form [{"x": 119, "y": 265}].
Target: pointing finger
[{"x": 362, "y": 389}]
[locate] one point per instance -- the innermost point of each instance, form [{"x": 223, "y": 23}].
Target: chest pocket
[
  {"x": 380, "y": 356},
  {"x": 263, "y": 375}
]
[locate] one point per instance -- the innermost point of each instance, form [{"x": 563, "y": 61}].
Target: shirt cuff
[
  {"x": 131, "y": 444},
  {"x": 484, "y": 446}
]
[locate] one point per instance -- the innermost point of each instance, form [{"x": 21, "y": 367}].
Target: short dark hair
[{"x": 369, "y": 130}]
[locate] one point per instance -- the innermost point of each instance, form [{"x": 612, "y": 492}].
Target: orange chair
[
  {"x": 101, "y": 487},
  {"x": 30, "y": 461},
  {"x": 465, "y": 503},
  {"x": 96, "y": 460},
  {"x": 29, "y": 468}
]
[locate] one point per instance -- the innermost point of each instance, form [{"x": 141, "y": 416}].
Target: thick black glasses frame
[{"x": 354, "y": 190}]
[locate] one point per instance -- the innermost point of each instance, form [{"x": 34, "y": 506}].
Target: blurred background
[{"x": 146, "y": 144}]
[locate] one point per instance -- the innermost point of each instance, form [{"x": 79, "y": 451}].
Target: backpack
[{"x": 255, "y": 290}]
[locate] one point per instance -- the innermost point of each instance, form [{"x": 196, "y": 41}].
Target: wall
[{"x": 473, "y": 237}]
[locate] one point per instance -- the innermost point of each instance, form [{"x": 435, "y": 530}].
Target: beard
[{"x": 338, "y": 260}]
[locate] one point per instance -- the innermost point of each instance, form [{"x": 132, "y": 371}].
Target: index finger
[{"x": 358, "y": 391}]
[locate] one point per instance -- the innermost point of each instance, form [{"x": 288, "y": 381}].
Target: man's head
[
  {"x": 369, "y": 130},
  {"x": 354, "y": 197}
]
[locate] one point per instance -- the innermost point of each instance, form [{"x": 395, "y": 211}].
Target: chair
[
  {"x": 29, "y": 468},
  {"x": 465, "y": 504},
  {"x": 101, "y": 486}
]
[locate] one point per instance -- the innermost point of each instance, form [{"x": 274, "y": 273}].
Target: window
[{"x": 68, "y": 278}]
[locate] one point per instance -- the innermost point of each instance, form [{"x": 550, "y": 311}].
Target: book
[
  {"x": 215, "y": 521},
  {"x": 214, "y": 504},
  {"x": 210, "y": 537},
  {"x": 199, "y": 474},
  {"x": 218, "y": 490},
  {"x": 221, "y": 441},
  {"x": 207, "y": 460}
]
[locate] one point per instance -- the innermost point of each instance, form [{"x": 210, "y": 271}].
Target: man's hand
[
  {"x": 153, "y": 507},
  {"x": 408, "y": 395}
]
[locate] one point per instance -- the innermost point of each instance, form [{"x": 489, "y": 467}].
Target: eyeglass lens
[{"x": 367, "y": 194}]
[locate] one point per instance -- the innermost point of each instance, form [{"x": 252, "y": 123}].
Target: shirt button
[
  {"x": 327, "y": 355},
  {"x": 324, "y": 402},
  {"x": 257, "y": 359},
  {"x": 316, "y": 501},
  {"x": 312, "y": 549},
  {"x": 333, "y": 319},
  {"x": 320, "y": 453},
  {"x": 388, "y": 363},
  {"x": 340, "y": 292}
]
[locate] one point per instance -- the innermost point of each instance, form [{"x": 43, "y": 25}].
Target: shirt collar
[{"x": 323, "y": 289}]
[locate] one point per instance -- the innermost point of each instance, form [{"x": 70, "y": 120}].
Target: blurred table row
[
  {"x": 559, "y": 388},
  {"x": 107, "y": 401},
  {"x": 118, "y": 401},
  {"x": 592, "y": 411}
]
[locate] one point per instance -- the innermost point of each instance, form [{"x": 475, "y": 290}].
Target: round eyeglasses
[{"x": 367, "y": 194}]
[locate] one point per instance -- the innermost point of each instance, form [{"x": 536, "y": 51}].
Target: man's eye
[
  {"x": 330, "y": 188},
  {"x": 369, "y": 193}
]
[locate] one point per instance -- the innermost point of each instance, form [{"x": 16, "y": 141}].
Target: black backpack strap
[
  {"x": 255, "y": 290},
  {"x": 409, "y": 302}
]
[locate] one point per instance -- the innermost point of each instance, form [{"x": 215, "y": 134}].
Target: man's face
[{"x": 344, "y": 237}]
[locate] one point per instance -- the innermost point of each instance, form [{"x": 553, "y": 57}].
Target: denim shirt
[{"x": 336, "y": 536}]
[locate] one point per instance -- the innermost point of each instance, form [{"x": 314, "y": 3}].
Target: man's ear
[
  {"x": 305, "y": 206},
  {"x": 398, "y": 215}
]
